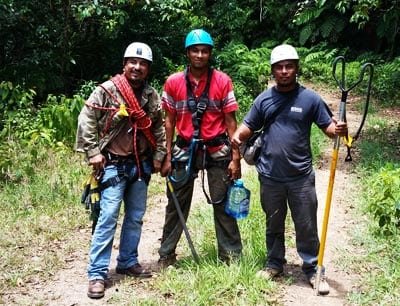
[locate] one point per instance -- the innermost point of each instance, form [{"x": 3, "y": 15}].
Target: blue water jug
[{"x": 238, "y": 201}]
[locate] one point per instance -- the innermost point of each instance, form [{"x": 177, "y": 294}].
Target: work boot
[
  {"x": 323, "y": 284},
  {"x": 135, "y": 271},
  {"x": 269, "y": 273},
  {"x": 166, "y": 261},
  {"x": 96, "y": 289}
]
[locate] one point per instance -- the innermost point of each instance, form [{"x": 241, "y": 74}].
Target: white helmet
[
  {"x": 140, "y": 50},
  {"x": 283, "y": 52}
]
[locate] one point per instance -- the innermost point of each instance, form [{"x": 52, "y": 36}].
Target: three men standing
[{"x": 121, "y": 131}]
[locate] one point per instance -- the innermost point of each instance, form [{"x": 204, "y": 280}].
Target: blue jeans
[
  {"x": 300, "y": 196},
  {"x": 134, "y": 195}
]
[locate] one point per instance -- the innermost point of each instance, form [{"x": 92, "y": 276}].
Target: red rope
[
  {"x": 138, "y": 118},
  {"x": 113, "y": 111},
  {"x": 143, "y": 122}
]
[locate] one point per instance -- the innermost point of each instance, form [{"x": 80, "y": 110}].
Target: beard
[{"x": 136, "y": 83}]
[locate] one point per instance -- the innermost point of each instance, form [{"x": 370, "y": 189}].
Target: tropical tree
[{"x": 362, "y": 24}]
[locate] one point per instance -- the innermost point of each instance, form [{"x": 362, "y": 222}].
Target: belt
[
  {"x": 215, "y": 142},
  {"x": 115, "y": 158}
]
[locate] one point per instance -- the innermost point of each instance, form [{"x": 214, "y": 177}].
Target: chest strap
[{"x": 199, "y": 105}]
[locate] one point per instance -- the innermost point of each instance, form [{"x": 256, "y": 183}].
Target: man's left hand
[
  {"x": 156, "y": 166},
  {"x": 234, "y": 169}
]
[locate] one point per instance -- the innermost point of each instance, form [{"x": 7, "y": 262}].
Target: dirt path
[
  {"x": 298, "y": 292},
  {"x": 68, "y": 287}
]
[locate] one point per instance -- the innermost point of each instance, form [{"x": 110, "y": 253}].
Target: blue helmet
[{"x": 198, "y": 37}]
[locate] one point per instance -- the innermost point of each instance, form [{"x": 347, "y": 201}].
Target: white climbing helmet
[
  {"x": 140, "y": 50},
  {"x": 283, "y": 52}
]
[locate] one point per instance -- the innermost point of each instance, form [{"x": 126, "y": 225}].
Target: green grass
[
  {"x": 213, "y": 282},
  {"x": 380, "y": 143},
  {"x": 319, "y": 142},
  {"x": 376, "y": 256},
  {"x": 39, "y": 211},
  {"x": 378, "y": 266}
]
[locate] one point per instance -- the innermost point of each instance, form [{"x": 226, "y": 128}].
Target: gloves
[{"x": 91, "y": 198}]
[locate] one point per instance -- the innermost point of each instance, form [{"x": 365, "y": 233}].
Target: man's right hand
[
  {"x": 241, "y": 134},
  {"x": 97, "y": 162},
  {"x": 166, "y": 166}
]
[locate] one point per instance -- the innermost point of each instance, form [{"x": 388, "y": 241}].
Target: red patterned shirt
[{"x": 221, "y": 101}]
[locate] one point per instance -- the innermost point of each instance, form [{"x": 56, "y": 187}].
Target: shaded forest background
[{"x": 56, "y": 46}]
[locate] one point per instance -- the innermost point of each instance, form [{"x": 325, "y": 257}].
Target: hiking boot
[
  {"x": 96, "y": 289},
  {"x": 323, "y": 284},
  {"x": 135, "y": 271},
  {"x": 269, "y": 273},
  {"x": 166, "y": 261}
]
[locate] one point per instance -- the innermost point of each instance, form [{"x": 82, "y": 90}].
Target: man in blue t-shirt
[{"x": 285, "y": 167}]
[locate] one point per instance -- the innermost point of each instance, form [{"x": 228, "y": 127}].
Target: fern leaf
[
  {"x": 311, "y": 57},
  {"x": 308, "y": 15},
  {"x": 306, "y": 33},
  {"x": 328, "y": 26}
]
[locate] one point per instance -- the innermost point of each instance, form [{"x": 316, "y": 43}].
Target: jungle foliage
[{"x": 54, "y": 46}]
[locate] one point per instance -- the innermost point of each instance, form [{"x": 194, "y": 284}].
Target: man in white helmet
[
  {"x": 120, "y": 129},
  {"x": 287, "y": 111}
]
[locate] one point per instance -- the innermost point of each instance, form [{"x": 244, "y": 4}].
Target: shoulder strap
[
  {"x": 197, "y": 106},
  {"x": 271, "y": 118},
  {"x": 276, "y": 112}
]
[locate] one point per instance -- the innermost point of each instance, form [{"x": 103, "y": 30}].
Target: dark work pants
[
  {"x": 300, "y": 196},
  {"x": 226, "y": 228}
]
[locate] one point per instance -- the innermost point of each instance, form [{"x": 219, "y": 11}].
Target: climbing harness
[
  {"x": 197, "y": 147},
  {"x": 342, "y": 117},
  {"x": 93, "y": 186},
  {"x": 199, "y": 105}
]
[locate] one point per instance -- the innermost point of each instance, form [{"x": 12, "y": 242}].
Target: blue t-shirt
[{"x": 286, "y": 153}]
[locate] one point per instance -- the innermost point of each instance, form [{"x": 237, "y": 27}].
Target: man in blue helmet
[{"x": 200, "y": 105}]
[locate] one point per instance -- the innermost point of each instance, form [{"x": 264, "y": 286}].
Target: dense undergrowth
[{"x": 379, "y": 169}]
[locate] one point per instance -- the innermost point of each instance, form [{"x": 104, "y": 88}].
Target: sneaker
[
  {"x": 323, "y": 284},
  {"x": 136, "y": 271},
  {"x": 166, "y": 261},
  {"x": 269, "y": 273},
  {"x": 96, "y": 289}
]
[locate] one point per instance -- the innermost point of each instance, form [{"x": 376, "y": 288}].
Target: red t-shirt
[{"x": 221, "y": 101}]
